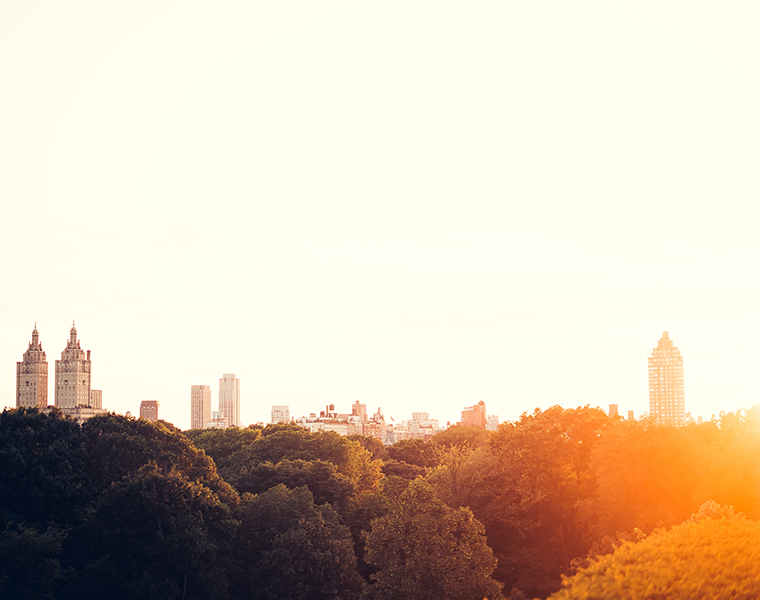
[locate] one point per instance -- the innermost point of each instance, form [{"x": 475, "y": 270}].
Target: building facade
[
  {"x": 229, "y": 399},
  {"x": 475, "y": 415},
  {"x": 32, "y": 375},
  {"x": 200, "y": 406},
  {"x": 96, "y": 399},
  {"x": 149, "y": 410},
  {"x": 666, "y": 397},
  {"x": 73, "y": 375},
  {"x": 280, "y": 414}
]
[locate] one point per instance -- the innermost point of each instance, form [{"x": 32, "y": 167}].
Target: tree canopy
[
  {"x": 717, "y": 559},
  {"x": 430, "y": 551}
]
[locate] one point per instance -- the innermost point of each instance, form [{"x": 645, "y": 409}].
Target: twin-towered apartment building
[{"x": 73, "y": 379}]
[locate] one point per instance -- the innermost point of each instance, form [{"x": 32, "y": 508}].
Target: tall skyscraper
[
  {"x": 72, "y": 375},
  {"x": 666, "y": 400},
  {"x": 32, "y": 375},
  {"x": 229, "y": 398},
  {"x": 200, "y": 406}
]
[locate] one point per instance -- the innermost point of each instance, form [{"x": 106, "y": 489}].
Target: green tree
[
  {"x": 537, "y": 497},
  {"x": 429, "y": 551},
  {"x": 461, "y": 435},
  {"x": 43, "y": 477},
  {"x": 30, "y": 562},
  {"x": 289, "y": 548},
  {"x": 290, "y": 442},
  {"x": 372, "y": 445},
  {"x": 730, "y": 470},
  {"x": 223, "y": 444},
  {"x": 717, "y": 559},
  {"x": 414, "y": 452},
  {"x": 154, "y": 535},
  {"x": 120, "y": 446},
  {"x": 398, "y": 468},
  {"x": 321, "y": 477},
  {"x": 649, "y": 475}
]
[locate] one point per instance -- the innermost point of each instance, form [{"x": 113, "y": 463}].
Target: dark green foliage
[
  {"x": 124, "y": 508},
  {"x": 287, "y": 547},
  {"x": 402, "y": 469},
  {"x": 43, "y": 479},
  {"x": 29, "y": 562},
  {"x": 224, "y": 444},
  {"x": 154, "y": 535},
  {"x": 372, "y": 445},
  {"x": 322, "y": 479},
  {"x": 414, "y": 452},
  {"x": 120, "y": 446},
  {"x": 428, "y": 551},
  {"x": 292, "y": 445}
]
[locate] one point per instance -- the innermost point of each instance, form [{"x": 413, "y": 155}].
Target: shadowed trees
[
  {"x": 428, "y": 551},
  {"x": 287, "y": 547}
]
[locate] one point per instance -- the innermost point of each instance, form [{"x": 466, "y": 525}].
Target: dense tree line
[{"x": 125, "y": 508}]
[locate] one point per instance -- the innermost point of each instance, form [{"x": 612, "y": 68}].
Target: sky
[{"x": 416, "y": 205}]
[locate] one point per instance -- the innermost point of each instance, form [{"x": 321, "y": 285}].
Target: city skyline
[
  {"x": 417, "y": 206},
  {"x": 665, "y": 383}
]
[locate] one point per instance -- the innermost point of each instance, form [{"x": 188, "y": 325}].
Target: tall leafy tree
[
  {"x": 155, "y": 535},
  {"x": 321, "y": 477},
  {"x": 537, "y": 500},
  {"x": 424, "y": 549},
  {"x": 120, "y": 446},
  {"x": 43, "y": 472},
  {"x": 30, "y": 562},
  {"x": 289, "y": 548}
]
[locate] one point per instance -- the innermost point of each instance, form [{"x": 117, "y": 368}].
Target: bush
[{"x": 717, "y": 559}]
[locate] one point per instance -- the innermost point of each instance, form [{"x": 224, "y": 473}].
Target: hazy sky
[{"x": 418, "y": 205}]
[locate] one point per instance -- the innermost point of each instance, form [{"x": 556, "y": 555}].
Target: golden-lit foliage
[
  {"x": 647, "y": 475},
  {"x": 716, "y": 559}
]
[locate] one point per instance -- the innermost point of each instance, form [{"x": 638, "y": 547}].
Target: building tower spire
[{"x": 32, "y": 375}]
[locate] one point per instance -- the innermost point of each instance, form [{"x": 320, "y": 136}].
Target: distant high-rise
[
  {"x": 360, "y": 410},
  {"x": 72, "y": 375},
  {"x": 229, "y": 399},
  {"x": 280, "y": 414},
  {"x": 149, "y": 410},
  {"x": 475, "y": 415},
  {"x": 32, "y": 375},
  {"x": 666, "y": 399},
  {"x": 200, "y": 406}
]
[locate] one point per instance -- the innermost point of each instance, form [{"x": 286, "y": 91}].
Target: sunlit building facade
[
  {"x": 666, "y": 397},
  {"x": 229, "y": 399},
  {"x": 280, "y": 414},
  {"x": 72, "y": 375},
  {"x": 149, "y": 410},
  {"x": 475, "y": 415},
  {"x": 200, "y": 406},
  {"x": 32, "y": 375}
]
